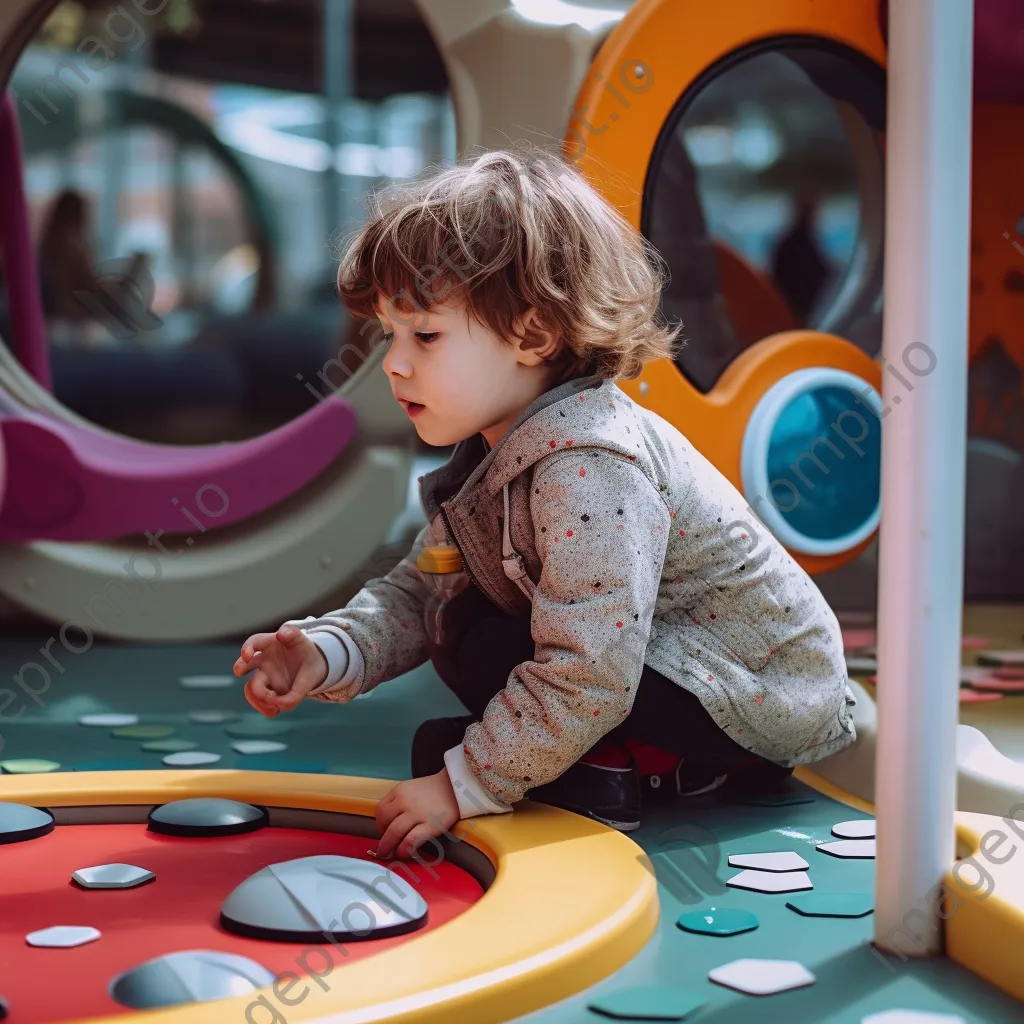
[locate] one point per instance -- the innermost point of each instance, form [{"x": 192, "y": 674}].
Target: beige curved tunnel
[{"x": 513, "y": 78}]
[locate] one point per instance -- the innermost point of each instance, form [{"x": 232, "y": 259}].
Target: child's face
[{"x": 455, "y": 378}]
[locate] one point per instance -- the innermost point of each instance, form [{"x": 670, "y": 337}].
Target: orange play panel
[{"x": 179, "y": 910}]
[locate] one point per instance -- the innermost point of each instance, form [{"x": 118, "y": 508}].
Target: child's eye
[{"x": 426, "y": 336}]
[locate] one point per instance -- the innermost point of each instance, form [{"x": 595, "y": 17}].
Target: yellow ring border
[
  {"x": 985, "y": 928},
  {"x": 571, "y": 902},
  {"x": 814, "y": 781}
]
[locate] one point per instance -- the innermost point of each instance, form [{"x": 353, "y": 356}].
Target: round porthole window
[
  {"x": 811, "y": 460},
  {"x": 765, "y": 197}
]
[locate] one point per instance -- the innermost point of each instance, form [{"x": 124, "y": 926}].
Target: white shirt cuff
[
  {"x": 473, "y": 798},
  {"x": 344, "y": 660}
]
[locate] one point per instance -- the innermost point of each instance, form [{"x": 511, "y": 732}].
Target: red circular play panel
[{"x": 178, "y": 910}]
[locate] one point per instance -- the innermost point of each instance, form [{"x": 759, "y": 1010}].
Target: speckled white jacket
[{"x": 641, "y": 552}]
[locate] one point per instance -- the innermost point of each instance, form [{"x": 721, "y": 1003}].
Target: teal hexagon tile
[
  {"x": 784, "y": 799},
  {"x": 152, "y": 731},
  {"x": 832, "y": 904},
  {"x": 172, "y": 745},
  {"x": 256, "y": 726},
  {"x": 716, "y": 921}
]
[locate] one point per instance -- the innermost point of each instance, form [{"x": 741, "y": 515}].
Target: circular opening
[
  {"x": 188, "y": 179},
  {"x": 764, "y": 195},
  {"x": 180, "y": 908},
  {"x": 811, "y": 461}
]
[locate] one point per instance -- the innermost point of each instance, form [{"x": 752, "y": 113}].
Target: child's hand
[
  {"x": 414, "y": 811},
  {"x": 288, "y": 665}
]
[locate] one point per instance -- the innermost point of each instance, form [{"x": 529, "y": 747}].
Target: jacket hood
[{"x": 555, "y": 420}]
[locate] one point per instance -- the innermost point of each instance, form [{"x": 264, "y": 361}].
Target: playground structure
[{"x": 74, "y": 493}]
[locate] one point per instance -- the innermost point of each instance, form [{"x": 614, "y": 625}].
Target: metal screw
[{"x": 644, "y": 387}]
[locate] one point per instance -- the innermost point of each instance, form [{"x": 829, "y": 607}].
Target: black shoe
[
  {"x": 759, "y": 778},
  {"x": 608, "y": 795},
  {"x": 693, "y": 780},
  {"x": 432, "y": 739},
  {"x": 686, "y": 780}
]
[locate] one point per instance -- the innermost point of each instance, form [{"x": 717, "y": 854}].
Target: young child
[{"x": 614, "y": 621}]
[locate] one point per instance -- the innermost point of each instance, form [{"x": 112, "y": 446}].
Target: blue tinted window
[{"x": 824, "y": 463}]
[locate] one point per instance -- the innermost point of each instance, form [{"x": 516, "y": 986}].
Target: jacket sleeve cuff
[
  {"x": 344, "y": 660},
  {"x": 473, "y": 798}
]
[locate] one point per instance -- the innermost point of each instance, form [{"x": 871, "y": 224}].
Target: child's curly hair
[{"x": 504, "y": 233}]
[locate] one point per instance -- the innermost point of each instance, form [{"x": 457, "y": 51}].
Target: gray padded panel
[
  {"x": 18, "y": 822},
  {"x": 191, "y": 976},
  {"x": 307, "y": 898},
  {"x": 202, "y": 816}
]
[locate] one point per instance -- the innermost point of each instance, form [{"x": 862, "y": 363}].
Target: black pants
[{"x": 489, "y": 644}]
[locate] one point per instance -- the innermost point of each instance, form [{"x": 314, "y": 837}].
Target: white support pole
[{"x": 920, "y": 592}]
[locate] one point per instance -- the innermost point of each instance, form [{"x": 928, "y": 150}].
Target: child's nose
[{"x": 395, "y": 364}]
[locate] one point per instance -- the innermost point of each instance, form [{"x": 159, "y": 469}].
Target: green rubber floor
[{"x": 689, "y": 843}]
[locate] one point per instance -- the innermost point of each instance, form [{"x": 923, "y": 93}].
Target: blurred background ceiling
[{"x": 278, "y": 45}]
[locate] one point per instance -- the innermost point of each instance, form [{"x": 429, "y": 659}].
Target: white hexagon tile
[{"x": 762, "y": 977}]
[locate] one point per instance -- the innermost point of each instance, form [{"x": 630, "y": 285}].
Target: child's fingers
[
  {"x": 417, "y": 836},
  {"x": 308, "y": 678},
  {"x": 278, "y": 679},
  {"x": 257, "y": 687},
  {"x": 261, "y": 691},
  {"x": 257, "y": 642},
  {"x": 263, "y": 709},
  {"x": 244, "y": 667},
  {"x": 288, "y": 701},
  {"x": 386, "y": 811},
  {"x": 290, "y": 636},
  {"x": 399, "y": 828},
  {"x": 291, "y": 696}
]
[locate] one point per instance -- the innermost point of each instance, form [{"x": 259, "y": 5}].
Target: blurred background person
[
  {"x": 66, "y": 258},
  {"x": 798, "y": 267}
]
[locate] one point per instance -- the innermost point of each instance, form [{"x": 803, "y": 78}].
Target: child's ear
[{"x": 536, "y": 342}]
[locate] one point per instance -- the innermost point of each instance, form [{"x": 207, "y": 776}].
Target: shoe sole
[
  {"x": 718, "y": 783},
  {"x": 619, "y": 826},
  {"x": 583, "y": 812}
]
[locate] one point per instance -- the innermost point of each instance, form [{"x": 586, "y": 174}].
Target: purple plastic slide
[
  {"x": 69, "y": 483},
  {"x": 72, "y": 483}
]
